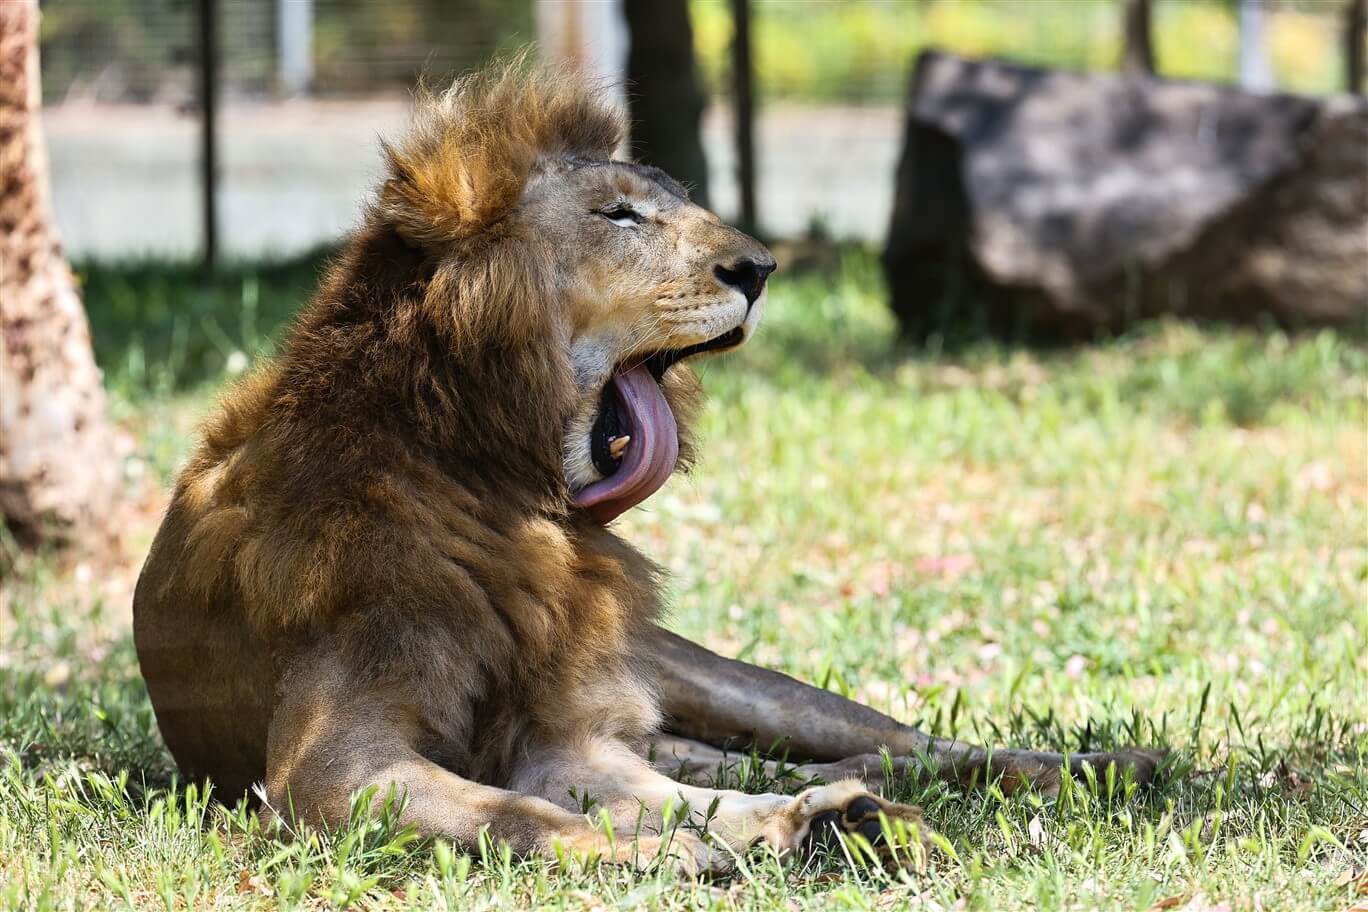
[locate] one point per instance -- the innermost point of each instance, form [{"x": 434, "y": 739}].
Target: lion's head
[{"x": 508, "y": 182}]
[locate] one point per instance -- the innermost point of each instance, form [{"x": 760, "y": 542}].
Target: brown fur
[
  {"x": 372, "y": 574},
  {"x": 393, "y": 480}
]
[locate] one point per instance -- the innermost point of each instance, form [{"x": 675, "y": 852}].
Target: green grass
[{"x": 1157, "y": 539}]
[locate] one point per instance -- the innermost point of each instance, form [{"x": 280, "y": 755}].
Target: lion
[{"x": 389, "y": 563}]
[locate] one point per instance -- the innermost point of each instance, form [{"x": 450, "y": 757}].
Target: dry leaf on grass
[
  {"x": 1198, "y": 903},
  {"x": 249, "y": 882},
  {"x": 1356, "y": 879}
]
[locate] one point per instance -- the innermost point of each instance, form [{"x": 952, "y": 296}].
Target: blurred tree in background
[
  {"x": 664, "y": 95},
  {"x": 1137, "y": 28},
  {"x": 59, "y": 473},
  {"x": 115, "y": 50},
  {"x": 365, "y": 45}
]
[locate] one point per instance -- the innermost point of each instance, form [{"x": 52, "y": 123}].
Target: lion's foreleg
[
  {"x": 332, "y": 738},
  {"x": 606, "y": 777}
]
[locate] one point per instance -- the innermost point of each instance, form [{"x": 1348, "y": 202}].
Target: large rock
[{"x": 1050, "y": 203}]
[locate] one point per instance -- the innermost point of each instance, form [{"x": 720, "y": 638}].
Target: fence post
[
  {"x": 294, "y": 45},
  {"x": 589, "y": 38},
  {"x": 1355, "y": 32},
  {"x": 1255, "y": 74},
  {"x": 208, "y": 92},
  {"x": 743, "y": 92}
]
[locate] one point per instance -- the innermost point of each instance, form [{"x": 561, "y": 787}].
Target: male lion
[{"x": 387, "y": 564}]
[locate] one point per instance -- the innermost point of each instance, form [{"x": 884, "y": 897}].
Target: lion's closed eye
[{"x": 622, "y": 215}]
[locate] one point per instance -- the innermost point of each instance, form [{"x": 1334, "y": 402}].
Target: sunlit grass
[{"x": 1158, "y": 539}]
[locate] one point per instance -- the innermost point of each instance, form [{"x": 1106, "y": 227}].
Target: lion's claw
[{"x": 821, "y": 834}]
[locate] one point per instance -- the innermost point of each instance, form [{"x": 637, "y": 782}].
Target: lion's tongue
[{"x": 650, "y": 456}]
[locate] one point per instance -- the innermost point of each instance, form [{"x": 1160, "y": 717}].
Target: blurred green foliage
[
  {"x": 126, "y": 45},
  {"x": 361, "y": 45},
  {"x": 159, "y": 327},
  {"x": 830, "y": 50}
]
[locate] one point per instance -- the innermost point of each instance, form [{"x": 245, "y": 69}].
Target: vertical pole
[
  {"x": 666, "y": 102},
  {"x": 294, "y": 45},
  {"x": 743, "y": 91},
  {"x": 1255, "y": 73},
  {"x": 208, "y": 92},
  {"x": 1355, "y": 33},
  {"x": 1138, "y": 41}
]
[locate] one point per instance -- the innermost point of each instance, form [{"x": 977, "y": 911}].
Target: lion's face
[
  {"x": 645, "y": 280},
  {"x": 506, "y": 181}
]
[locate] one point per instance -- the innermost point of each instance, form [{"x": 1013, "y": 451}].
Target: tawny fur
[
  {"x": 371, "y": 572},
  {"x": 393, "y": 481}
]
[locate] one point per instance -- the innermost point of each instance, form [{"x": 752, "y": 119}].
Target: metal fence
[{"x": 306, "y": 86}]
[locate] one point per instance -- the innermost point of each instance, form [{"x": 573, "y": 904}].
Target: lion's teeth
[{"x": 618, "y": 444}]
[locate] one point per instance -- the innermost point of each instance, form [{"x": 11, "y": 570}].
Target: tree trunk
[
  {"x": 1355, "y": 33},
  {"x": 665, "y": 99},
  {"x": 58, "y": 470},
  {"x": 1136, "y": 31}
]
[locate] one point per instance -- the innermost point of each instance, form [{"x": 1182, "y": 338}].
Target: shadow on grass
[
  {"x": 96, "y": 713},
  {"x": 79, "y": 749},
  {"x": 160, "y": 327}
]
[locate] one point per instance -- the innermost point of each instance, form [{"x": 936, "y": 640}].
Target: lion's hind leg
[
  {"x": 717, "y": 700},
  {"x": 702, "y": 764}
]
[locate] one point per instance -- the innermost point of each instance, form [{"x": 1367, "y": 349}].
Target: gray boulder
[{"x": 1036, "y": 202}]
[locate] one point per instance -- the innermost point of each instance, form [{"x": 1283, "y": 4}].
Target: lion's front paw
[{"x": 814, "y": 819}]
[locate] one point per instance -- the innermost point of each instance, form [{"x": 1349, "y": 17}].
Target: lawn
[{"x": 1158, "y": 539}]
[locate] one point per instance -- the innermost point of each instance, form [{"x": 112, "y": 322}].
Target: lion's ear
[
  {"x": 451, "y": 188},
  {"x": 465, "y": 161}
]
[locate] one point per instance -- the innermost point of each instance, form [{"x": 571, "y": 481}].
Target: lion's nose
[{"x": 746, "y": 275}]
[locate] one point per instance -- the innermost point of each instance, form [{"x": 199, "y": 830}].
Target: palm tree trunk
[{"x": 58, "y": 470}]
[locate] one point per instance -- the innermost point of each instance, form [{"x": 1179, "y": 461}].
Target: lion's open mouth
[{"x": 634, "y": 442}]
